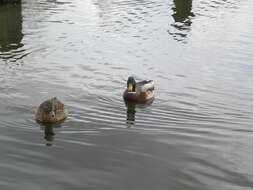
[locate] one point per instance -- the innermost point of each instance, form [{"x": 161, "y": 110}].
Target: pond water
[{"x": 196, "y": 134}]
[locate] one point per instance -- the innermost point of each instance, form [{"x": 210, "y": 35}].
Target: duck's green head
[{"x": 131, "y": 84}]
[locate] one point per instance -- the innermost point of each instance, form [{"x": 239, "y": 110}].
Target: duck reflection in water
[
  {"x": 131, "y": 110},
  {"x": 182, "y": 13},
  {"x": 48, "y": 129}
]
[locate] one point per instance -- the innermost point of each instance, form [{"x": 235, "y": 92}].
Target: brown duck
[{"x": 51, "y": 111}]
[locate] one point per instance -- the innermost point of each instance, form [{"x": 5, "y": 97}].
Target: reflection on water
[
  {"x": 11, "y": 27},
  {"x": 49, "y": 134},
  {"x": 48, "y": 129},
  {"x": 131, "y": 110},
  {"x": 182, "y": 13},
  {"x": 130, "y": 113}
]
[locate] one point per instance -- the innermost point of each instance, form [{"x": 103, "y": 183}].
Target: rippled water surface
[{"x": 196, "y": 134}]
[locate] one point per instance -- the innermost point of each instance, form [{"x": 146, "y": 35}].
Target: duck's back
[{"x": 144, "y": 86}]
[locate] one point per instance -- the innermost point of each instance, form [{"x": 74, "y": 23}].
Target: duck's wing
[{"x": 144, "y": 86}]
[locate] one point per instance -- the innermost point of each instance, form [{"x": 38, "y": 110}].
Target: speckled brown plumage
[{"x": 51, "y": 110}]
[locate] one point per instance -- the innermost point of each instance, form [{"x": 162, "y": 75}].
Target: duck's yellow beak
[{"x": 130, "y": 87}]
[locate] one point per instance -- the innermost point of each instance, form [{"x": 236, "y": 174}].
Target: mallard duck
[
  {"x": 139, "y": 92},
  {"x": 51, "y": 111}
]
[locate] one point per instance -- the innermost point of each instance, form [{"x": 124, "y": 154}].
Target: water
[{"x": 196, "y": 134}]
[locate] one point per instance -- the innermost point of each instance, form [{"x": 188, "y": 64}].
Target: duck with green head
[{"x": 139, "y": 91}]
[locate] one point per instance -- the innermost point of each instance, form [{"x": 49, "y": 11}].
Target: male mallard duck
[
  {"x": 139, "y": 92},
  {"x": 51, "y": 111}
]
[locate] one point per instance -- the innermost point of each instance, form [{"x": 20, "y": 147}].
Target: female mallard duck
[
  {"x": 51, "y": 111},
  {"x": 139, "y": 92}
]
